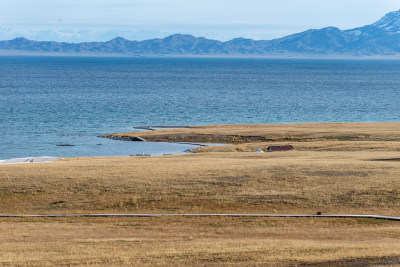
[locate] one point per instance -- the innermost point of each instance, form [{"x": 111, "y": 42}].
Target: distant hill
[{"x": 381, "y": 38}]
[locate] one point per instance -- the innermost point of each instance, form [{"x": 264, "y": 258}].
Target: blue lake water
[{"x": 46, "y": 101}]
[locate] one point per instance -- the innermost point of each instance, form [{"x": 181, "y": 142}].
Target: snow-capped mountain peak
[{"x": 390, "y": 22}]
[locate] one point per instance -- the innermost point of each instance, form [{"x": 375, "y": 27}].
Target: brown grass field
[{"x": 335, "y": 169}]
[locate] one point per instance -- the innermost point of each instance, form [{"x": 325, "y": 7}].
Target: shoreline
[
  {"x": 42, "y": 159},
  {"x": 289, "y": 56},
  {"x": 249, "y": 137},
  {"x": 25, "y": 160}
]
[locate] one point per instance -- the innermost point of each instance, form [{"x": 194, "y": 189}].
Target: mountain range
[{"x": 381, "y": 38}]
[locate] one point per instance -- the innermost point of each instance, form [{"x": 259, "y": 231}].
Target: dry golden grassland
[
  {"x": 198, "y": 241},
  {"x": 334, "y": 170}
]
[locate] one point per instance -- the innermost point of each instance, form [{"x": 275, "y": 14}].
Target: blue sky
[{"x": 100, "y": 20}]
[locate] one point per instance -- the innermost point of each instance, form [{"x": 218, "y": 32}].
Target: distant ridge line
[
  {"x": 379, "y": 39},
  {"x": 379, "y": 217}
]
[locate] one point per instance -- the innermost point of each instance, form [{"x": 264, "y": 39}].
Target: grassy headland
[
  {"x": 245, "y": 133},
  {"x": 335, "y": 168}
]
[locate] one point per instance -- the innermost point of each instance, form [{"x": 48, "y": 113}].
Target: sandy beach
[{"x": 28, "y": 160}]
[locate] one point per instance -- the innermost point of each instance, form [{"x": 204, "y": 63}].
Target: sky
[{"x": 102, "y": 20}]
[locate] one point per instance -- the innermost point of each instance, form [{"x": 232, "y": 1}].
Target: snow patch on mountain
[{"x": 390, "y": 22}]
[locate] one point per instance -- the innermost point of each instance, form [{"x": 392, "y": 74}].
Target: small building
[{"x": 280, "y": 148}]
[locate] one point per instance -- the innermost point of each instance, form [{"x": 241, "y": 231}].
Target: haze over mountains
[{"x": 381, "y": 38}]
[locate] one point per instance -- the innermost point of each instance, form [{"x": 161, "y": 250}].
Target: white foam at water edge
[{"x": 28, "y": 160}]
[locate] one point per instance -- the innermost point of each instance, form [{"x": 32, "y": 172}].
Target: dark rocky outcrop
[{"x": 123, "y": 138}]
